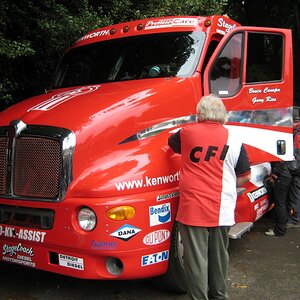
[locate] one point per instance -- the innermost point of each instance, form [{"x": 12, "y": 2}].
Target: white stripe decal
[{"x": 264, "y": 139}]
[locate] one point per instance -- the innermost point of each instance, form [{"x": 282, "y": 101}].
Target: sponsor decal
[
  {"x": 263, "y": 207},
  {"x": 253, "y": 196},
  {"x": 173, "y": 22},
  {"x": 93, "y": 35},
  {"x": 23, "y": 234},
  {"x": 224, "y": 27},
  {"x": 18, "y": 254},
  {"x": 147, "y": 182},
  {"x": 71, "y": 262},
  {"x": 102, "y": 245},
  {"x": 167, "y": 196},
  {"x": 160, "y": 214},
  {"x": 63, "y": 97},
  {"x": 156, "y": 237},
  {"x": 126, "y": 232},
  {"x": 155, "y": 258}
]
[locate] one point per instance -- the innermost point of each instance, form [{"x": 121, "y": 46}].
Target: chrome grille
[
  {"x": 35, "y": 161},
  {"x": 3, "y": 165},
  {"x": 37, "y": 167}
]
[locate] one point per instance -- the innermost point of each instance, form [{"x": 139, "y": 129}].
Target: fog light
[
  {"x": 114, "y": 266},
  {"x": 87, "y": 219},
  {"x": 120, "y": 213}
]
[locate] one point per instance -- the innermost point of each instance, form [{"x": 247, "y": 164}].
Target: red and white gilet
[{"x": 210, "y": 156}]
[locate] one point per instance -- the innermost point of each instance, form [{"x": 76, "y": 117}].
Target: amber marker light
[
  {"x": 140, "y": 26},
  {"x": 207, "y": 23},
  {"x": 113, "y": 31},
  {"x": 120, "y": 213},
  {"x": 126, "y": 28}
]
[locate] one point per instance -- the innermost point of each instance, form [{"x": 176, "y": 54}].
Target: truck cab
[{"x": 88, "y": 185}]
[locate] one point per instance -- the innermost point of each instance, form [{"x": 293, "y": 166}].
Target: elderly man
[{"x": 213, "y": 164}]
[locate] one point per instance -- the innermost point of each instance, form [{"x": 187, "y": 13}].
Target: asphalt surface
[{"x": 261, "y": 267}]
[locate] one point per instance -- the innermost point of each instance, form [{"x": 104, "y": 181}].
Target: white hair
[{"x": 211, "y": 108}]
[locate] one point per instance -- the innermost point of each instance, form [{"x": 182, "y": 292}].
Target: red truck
[{"x": 88, "y": 185}]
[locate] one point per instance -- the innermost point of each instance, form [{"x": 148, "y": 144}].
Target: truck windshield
[{"x": 131, "y": 58}]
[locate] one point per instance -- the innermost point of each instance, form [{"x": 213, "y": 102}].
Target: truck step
[{"x": 237, "y": 230}]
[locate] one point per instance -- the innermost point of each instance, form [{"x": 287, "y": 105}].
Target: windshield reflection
[{"x": 131, "y": 58}]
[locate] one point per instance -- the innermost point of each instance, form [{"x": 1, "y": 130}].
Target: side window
[
  {"x": 225, "y": 74},
  {"x": 264, "y": 57}
]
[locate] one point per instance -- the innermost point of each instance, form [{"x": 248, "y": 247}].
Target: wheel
[{"x": 174, "y": 279}]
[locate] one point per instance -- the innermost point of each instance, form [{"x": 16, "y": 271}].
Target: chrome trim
[
  {"x": 282, "y": 117},
  {"x": 65, "y": 137},
  {"x": 14, "y": 130},
  {"x": 157, "y": 128}
]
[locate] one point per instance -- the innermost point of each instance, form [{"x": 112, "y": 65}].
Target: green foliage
[
  {"x": 33, "y": 37},
  {"x": 35, "y": 34}
]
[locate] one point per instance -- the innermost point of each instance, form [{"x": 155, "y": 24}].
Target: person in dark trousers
[
  {"x": 282, "y": 180},
  {"x": 294, "y": 203},
  {"x": 213, "y": 163},
  {"x": 294, "y": 191},
  {"x": 286, "y": 194}
]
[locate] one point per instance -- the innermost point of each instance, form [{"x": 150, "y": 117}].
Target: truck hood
[
  {"x": 100, "y": 106},
  {"x": 104, "y": 119}
]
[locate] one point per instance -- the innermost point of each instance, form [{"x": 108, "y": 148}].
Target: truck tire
[{"x": 174, "y": 279}]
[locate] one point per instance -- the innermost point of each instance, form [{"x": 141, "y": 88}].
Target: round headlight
[{"x": 86, "y": 219}]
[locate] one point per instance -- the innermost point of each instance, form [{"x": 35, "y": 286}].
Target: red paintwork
[{"x": 101, "y": 120}]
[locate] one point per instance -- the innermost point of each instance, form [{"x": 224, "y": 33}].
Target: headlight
[
  {"x": 120, "y": 213},
  {"x": 86, "y": 219}
]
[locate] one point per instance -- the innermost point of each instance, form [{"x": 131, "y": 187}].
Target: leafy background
[{"x": 35, "y": 34}]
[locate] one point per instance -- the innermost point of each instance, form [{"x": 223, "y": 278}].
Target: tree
[
  {"x": 35, "y": 34},
  {"x": 32, "y": 40}
]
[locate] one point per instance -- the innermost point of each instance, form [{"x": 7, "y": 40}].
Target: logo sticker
[
  {"x": 156, "y": 237},
  {"x": 18, "y": 254},
  {"x": 23, "y": 234},
  {"x": 167, "y": 196},
  {"x": 71, "y": 262},
  {"x": 63, "y": 97},
  {"x": 160, "y": 214},
  {"x": 225, "y": 27},
  {"x": 174, "y": 22},
  {"x": 126, "y": 232},
  {"x": 155, "y": 258},
  {"x": 102, "y": 245},
  {"x": 253, "y": 196}
]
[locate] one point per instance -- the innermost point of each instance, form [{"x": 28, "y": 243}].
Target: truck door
[{"x": 252, "y": 71}]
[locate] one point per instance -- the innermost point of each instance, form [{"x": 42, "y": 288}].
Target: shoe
[
  {"x": 292, "y": 225},
  {"x": 270, "y": 232}
]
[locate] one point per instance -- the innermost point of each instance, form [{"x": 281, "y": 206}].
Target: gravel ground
[{"x": 261, "y": 267}]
